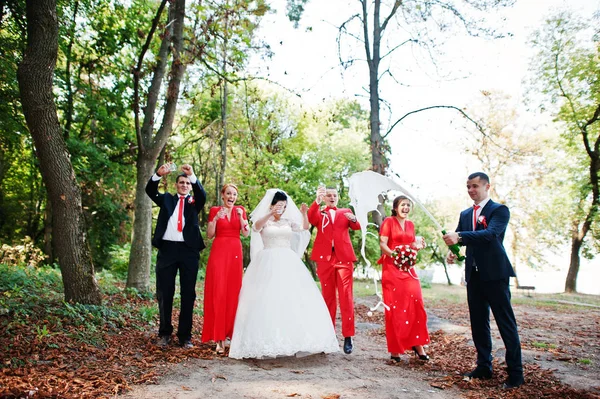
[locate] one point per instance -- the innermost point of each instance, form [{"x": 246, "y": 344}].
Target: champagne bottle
[{"x": 455, "y": 249}]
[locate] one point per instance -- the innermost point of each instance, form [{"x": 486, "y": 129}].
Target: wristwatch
[{"x": 459, "y": 238}]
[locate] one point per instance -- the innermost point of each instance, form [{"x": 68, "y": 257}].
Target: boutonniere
[
  {"x": 481, "y": 220},
  {"x": 191, "y": 200}
]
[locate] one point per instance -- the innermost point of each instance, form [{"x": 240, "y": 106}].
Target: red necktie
[
  {"x": 180, "y": 215},
  {"x": 475, "y": 207}
]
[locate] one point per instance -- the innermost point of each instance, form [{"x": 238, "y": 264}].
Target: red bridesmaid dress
[
  {"x": 406, "y": 320},
  {"x": 223, "y": 280}
]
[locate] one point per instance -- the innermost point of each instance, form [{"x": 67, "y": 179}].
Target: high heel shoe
[
  {"x": 220, "y": 348},
  {"x": 396, "y": 358},
  {"x": 421, "y": 357}
]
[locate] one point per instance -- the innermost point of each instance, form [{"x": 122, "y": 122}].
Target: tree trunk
[
  {"x": 140, "y": 257},
  {"x": 150, "y": 145},
  {"x": 35, "y": 75},
  {"x": 221, "y": 177},
  {"x": 48, "y": 233},
  {"x": 373, "y": 60},
  {"x": 571, "y": 282},
  {"x": 515, "y": 250}
]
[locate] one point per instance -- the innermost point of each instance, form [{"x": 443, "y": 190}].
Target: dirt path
[
  {"x": 367, "y": 373},
  {"x": 364, "y": 374}
]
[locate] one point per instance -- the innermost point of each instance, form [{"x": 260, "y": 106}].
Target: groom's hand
[
  {"x": 163, "y": 170},
  {"x": 450, "y": 258},
  {"x": 187, "y": 169},
  {"x": 451, "y": 238}
]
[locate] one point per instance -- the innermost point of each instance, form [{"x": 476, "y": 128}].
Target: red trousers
[{"x": 333, "y": 275}]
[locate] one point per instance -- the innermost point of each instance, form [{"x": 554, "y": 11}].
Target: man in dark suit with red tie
[
  {"x": 177, "y": 237},
  {"x": 481, "y": 229},
  {"x": 334, "y": 255}
]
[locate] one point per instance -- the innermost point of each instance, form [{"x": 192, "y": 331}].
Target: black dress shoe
[
  {"x": 348, "y": 345},
  {"x": 511, "y": 383},
  {"x": 186, "y": 344},
  {"x": 163, "y": 341},
  {"x": 396, "y": 358},
  {"x": 424, "y": 357},
  {"x": 480, "y": 372}
]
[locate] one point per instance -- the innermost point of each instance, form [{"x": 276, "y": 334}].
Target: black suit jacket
[
  {"x": 167, "y": 203},
  {"x": 485, "y": 245}
]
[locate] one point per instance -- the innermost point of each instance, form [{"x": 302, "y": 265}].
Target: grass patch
[{"x": 587, "y": 362}]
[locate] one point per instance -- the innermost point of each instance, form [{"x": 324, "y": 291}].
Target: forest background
[{"x": 97, "y": 95}]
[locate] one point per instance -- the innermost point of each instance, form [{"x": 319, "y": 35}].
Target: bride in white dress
[{"x": 281, "y": 311}]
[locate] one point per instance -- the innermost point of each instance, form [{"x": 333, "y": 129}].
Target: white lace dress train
[{"x": 281, "y": 312}]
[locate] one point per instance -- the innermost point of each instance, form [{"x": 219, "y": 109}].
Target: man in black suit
[
  {"x": 481, "y": 229},
  {"x": 177, "y": 237}
]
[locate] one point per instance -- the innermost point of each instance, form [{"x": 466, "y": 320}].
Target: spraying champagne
[{"x": 455, "y": 249}]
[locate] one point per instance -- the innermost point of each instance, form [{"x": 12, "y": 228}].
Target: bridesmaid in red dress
[
  {"x": 224, "y": 268},
  {"x": 406, "y": 320}
]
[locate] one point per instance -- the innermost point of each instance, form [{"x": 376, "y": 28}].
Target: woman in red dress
[
  {"x": 406, "y": 319},
  {"x": 224, "y": 268}
]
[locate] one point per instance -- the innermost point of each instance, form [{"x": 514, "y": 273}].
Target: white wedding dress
[{"x": 281, "y": 312}]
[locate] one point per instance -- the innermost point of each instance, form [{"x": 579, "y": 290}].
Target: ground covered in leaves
[
  {"x": 560, "y": 338},
  {"x": 52, "y": 349}
]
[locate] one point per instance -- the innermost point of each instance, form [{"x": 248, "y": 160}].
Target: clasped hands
[
  {"x": 165, "y": 169},
  {"x": 223, "y": 212}
]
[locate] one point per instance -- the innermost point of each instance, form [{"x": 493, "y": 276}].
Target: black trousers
[
  {"x": 481, "y": 296},
  {"x": 173, "y": 257}
]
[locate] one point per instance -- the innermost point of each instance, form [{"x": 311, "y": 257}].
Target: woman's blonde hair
[{"x": 226, "y": 185}]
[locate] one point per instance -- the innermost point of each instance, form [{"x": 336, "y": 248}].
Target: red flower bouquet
[{"x": 405, "y": 257}]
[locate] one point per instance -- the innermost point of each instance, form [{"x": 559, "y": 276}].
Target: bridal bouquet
[{"x": 405, "y": 257}]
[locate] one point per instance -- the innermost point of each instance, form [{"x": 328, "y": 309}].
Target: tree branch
[
  {"x": 397, "y": 5},
  {"x": 479, "y": 127},
  {"x": 137, "y": 71},
  {"x": 398, "y": 46}
]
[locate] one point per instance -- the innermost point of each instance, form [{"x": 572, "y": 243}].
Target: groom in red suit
[{"x": 334, "y": 255}]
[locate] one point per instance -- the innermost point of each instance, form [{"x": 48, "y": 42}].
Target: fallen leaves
[
  {"x": 452, "y": 355},
  {"x": 67, "y": 364}
]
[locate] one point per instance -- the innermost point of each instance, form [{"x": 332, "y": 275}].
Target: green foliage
[
  {"x": 33, "y": 297},
  {"x": 21, "y": 192},
  {"x": 566, "y": 70},
  {"x": 118, "y": 260}
]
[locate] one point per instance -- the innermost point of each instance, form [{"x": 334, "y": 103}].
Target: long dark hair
[{"x": 397, "y": 202}]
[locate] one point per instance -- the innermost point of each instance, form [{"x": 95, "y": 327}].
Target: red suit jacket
[{"x": 332, "y": 232}]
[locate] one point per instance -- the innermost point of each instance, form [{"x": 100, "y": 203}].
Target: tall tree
[
  {"x": 411, "y": 23},
  {"x": 566, "y": 69},
  {"x": 151, "y": 143},
  {"x": 510, "y": 148},
  {"x": 35, "y": 75}
]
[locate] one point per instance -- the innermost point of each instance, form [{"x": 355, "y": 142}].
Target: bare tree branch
[
  {"x": 398, "y": 46},
  {"x": 477, "y": 124},
  {"x": 397, "y": 5}
]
